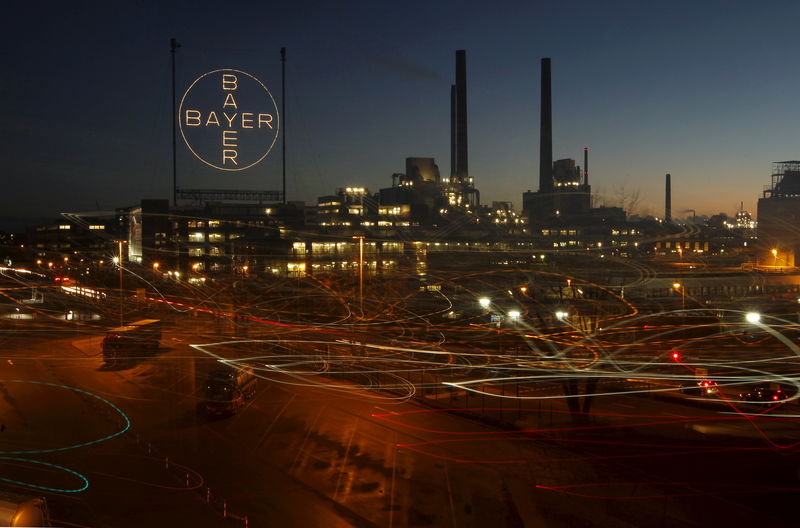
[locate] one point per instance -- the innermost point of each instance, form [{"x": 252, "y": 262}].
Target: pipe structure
[
  {"x": 546, "y": 132},
  {"x": 586, "y": 165},
  {"x": 453, "y": 134},
  {"x": 668, "y": 200},
  {"x": 462, "y": 169}
]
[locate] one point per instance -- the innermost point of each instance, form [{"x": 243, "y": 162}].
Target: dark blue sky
[{"x": 704, "y": 90}]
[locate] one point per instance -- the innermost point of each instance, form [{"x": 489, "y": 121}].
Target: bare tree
[{"x": 627, "y": 199}]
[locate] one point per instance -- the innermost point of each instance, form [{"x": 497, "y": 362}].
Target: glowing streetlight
[
  {"x": 523, "y": 289},
  {"x": 360, "y": 272},
  {"x": 514, "y": 315},
  {"x": 560, "y": 315},
  {"x": 753, "y": 317},
  {"x": 484, "y": 302},
  {"x": 156, "y": 265},
  {"x": 775, "y": 255},
  {"x": 682, "y": 289},
  {"x": 118, "y": 260}
]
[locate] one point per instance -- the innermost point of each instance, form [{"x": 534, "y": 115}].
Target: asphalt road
[{"x": 314, "y": 450}]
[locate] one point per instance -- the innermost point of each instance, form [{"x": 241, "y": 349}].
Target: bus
[
  {"x": 226, "y": 389},
  {"x": 129, "y": 341}
]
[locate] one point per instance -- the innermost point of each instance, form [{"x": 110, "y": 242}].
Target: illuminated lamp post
[
  {"x": 753, "y": 317},
  {"x": 119, "y": 263},
  {"x": 678, "y": 286},
  {"x": 360, "y": 273},
  {"x": 484, "y": 302},
  {"x": 775, "y": 256}
]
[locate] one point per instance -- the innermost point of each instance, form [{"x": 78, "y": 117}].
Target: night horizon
[{"x": 642, "y": 102}]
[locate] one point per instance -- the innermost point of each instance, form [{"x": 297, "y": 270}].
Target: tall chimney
[
  {"x": 668, "y": 201},
  {"x": 453, "y": 135},
  {"x": 546, "y": 132},
  {"x": 462, "y": 171},
  {"x": 586, "y": 165}
]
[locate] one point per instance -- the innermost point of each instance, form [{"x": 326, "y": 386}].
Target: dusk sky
[{"x": 706, "y": 91}]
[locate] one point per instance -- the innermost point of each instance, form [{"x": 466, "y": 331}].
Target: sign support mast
[
  {"x": 283, "y": 115},
  {"x": 174, "y": 46}
]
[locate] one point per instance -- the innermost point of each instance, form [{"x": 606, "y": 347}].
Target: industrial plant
[{"x": 219, "y": 230}]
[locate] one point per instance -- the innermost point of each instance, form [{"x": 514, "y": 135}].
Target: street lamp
[
  {"x": 679, "y": 286},
  {"x": 753, "y": 317},
  {"x": 775, "y": 255},
  {"x": 118, "y": 261},
  {"x": 560, "y": 315},
  {"x": 484, "y": 302}
]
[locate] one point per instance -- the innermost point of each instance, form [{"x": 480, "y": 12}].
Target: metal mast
[
  {"x": 283, "y": 114},
  {"x": 173, "y": 44}
]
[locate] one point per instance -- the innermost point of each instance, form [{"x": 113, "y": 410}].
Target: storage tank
[{"x": 21, "y": 510}]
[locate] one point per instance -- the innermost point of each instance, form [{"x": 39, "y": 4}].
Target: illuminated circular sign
[{"x": 228, "y": 119}]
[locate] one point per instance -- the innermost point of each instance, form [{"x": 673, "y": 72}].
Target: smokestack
[
  {"x": 668, "y": 201},
  {"x": 462, "y": 171},
  {"x": 453, "y": 134},
  {"x": 546, "y": 132},
  {"x": 586, "y": 165}
]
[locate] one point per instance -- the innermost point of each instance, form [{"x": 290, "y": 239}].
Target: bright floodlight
[
  {"x": 514, "y": 314},
  {"x": 561, "y": 315},
  {"x": 753, "y": 317},
  {"x": 485, "y": 302},
  {"x": 116, "y": 260}
]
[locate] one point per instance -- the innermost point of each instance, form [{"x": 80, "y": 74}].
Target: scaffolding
[
  {"x": 206, "y": 195},
  {"x": 785, "y": 180}
]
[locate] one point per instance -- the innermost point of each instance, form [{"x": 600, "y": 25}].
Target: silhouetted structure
[
  {"x": 668, "y": 200},
  {"x": 462, "y": 193},
  {"x": 546, "y": 131},
  {"x": 778, "y": 218},
  {"x": 563, "y": 192}
]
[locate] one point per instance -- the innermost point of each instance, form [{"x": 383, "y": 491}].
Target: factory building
[
  {"x": 779, "y": 217},
  {"x": 415, "y": 198},
  {"x": 349, "y": 206}
]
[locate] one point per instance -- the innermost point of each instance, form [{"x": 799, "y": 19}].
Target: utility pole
[
  {"x": 173, "y": 44},
  {"x": 283, "y": 114},
  {"x": 119, "y": 256}
]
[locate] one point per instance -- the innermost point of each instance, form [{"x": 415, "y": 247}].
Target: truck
[
  {"x": 226, "y": 389},
  {"x": 21, "y": 510},
  {"x": 129, "y": 341}
]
